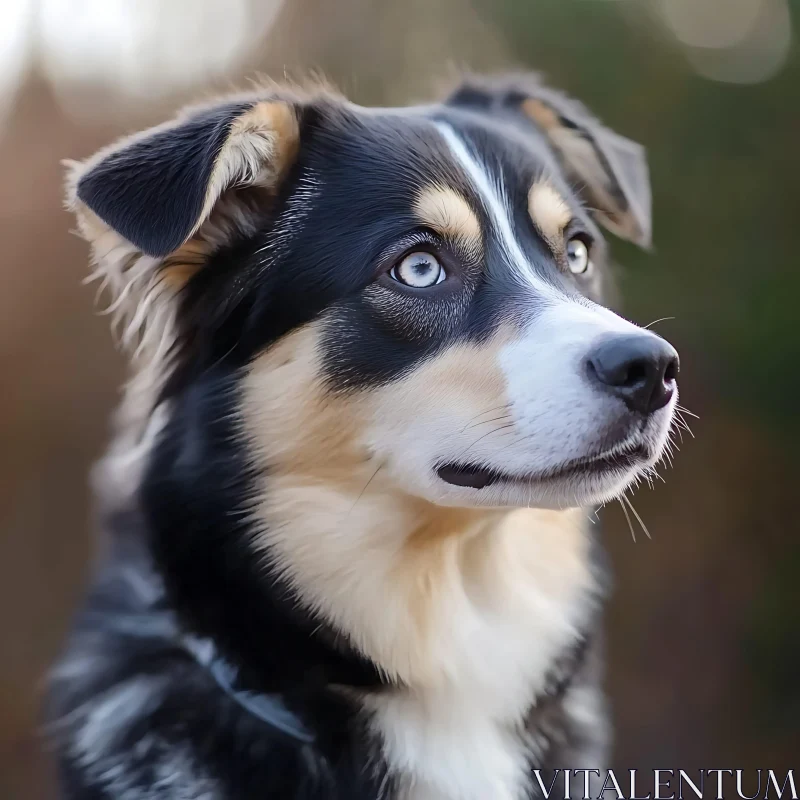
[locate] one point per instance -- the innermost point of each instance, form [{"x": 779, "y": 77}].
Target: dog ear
[
  {"x": 156, "y": 189},
  {"x": 610, "y": 171},
  {"x": 154, "y": 207}
]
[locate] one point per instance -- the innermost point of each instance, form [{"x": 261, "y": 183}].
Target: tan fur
[
  {"x": 465, "y": 380},
  {"x": 465, "y": 608},
  {"x": 582, "y": 159},
  {"x": 448, "y": 213},
  {"x": 542, "y": 115},
  {"x": 261, "y": 145},
  {"x": 390, "y": 570},
  {"x": 579, "y": 154},
  {"x": 550, "y": 213}
]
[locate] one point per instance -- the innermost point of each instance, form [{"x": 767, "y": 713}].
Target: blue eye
[
  {"x": 418, "y": 270},
  {"x": 578, "y": 256}
]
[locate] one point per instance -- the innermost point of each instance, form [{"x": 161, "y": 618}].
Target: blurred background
[{"x": 705, "y": 621}]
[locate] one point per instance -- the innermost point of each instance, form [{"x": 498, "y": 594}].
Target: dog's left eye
[
  {"x": 418, "y": 270},
  {"x": 577, "y": 256}
]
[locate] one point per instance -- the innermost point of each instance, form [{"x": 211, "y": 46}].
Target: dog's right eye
[{"x": 418, "y": 270}]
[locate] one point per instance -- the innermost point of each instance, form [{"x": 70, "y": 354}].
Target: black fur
[
  {"x": 181, "y": 572},
  {"x": 131, "y": 632},
  {"x": 153, "y": 190}
]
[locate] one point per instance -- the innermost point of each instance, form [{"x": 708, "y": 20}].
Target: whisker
[
  {"x": 222, "y": 357},
  {"x": 654, "y": 473},
  {"x": 628, "y": 518},
  {"x": 480, "y": 439},
  {"x": 656, "y": 321},
  {"x": 486, "y": 422},
  {"x": 365, "y": 489},
  {"x": 680, "y": 422},
  {"x": 487, "y": 411},
  {"x": 686, "y": 411},
  {"x": 636, "y": 514}
]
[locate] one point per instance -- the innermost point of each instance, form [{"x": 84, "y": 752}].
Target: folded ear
[
  {"x": 609, "y": 170},
  {"x": 155, "y": 205},
  {"x": 156, "y": 189}
]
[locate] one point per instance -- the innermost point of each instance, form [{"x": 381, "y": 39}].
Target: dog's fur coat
[{"x": 347, "y": 509}]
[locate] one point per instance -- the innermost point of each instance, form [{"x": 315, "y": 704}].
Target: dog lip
[
  {"x": 476, "y": 476},
  {"x": 466, "y": 475}
]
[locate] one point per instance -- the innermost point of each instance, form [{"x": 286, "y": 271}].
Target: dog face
[{"x": 415, "y": 292}]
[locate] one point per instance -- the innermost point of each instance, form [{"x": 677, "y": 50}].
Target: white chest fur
[{"x": 516, "y": 604}]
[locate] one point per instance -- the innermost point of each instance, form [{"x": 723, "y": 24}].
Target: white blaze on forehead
[{"x": 490, "y": 191}]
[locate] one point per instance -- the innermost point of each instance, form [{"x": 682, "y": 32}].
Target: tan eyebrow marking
[
  {"x": 448, "y": 213},
  {"x": 549, "y": 211}
]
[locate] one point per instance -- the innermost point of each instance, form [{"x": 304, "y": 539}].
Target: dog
[{"x": 374, "y": 398}]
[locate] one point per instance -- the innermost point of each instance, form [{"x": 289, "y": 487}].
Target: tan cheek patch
[
  {"x": 463, "y": 368},
  {"x": 549, "y": 211},
  {"x": 464, "y": 381},
  {"x": 294, "y": 424},
  {"x": 297, "y": 425},
  {"x": 448, "y": 213}
]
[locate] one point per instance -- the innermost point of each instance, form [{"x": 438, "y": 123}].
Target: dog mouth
[{"x": 475, "y": 476}]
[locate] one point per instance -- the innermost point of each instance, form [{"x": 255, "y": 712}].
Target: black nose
[{"x": 640, "y": 368}]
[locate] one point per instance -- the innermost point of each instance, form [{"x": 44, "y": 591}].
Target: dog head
[{"x": 333, "y": 291}]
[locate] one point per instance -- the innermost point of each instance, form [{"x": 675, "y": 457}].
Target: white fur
[
  {"x": 490, "y": 190},
  {"x": 558, "y": 414},
  {"x": 526, "y": 406},
  {"x": 164, "y": 770},
  {"x": 156, "y": 767},
  {"x": 109, "y": 715},
  {"x": 461, "y": 738}
]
